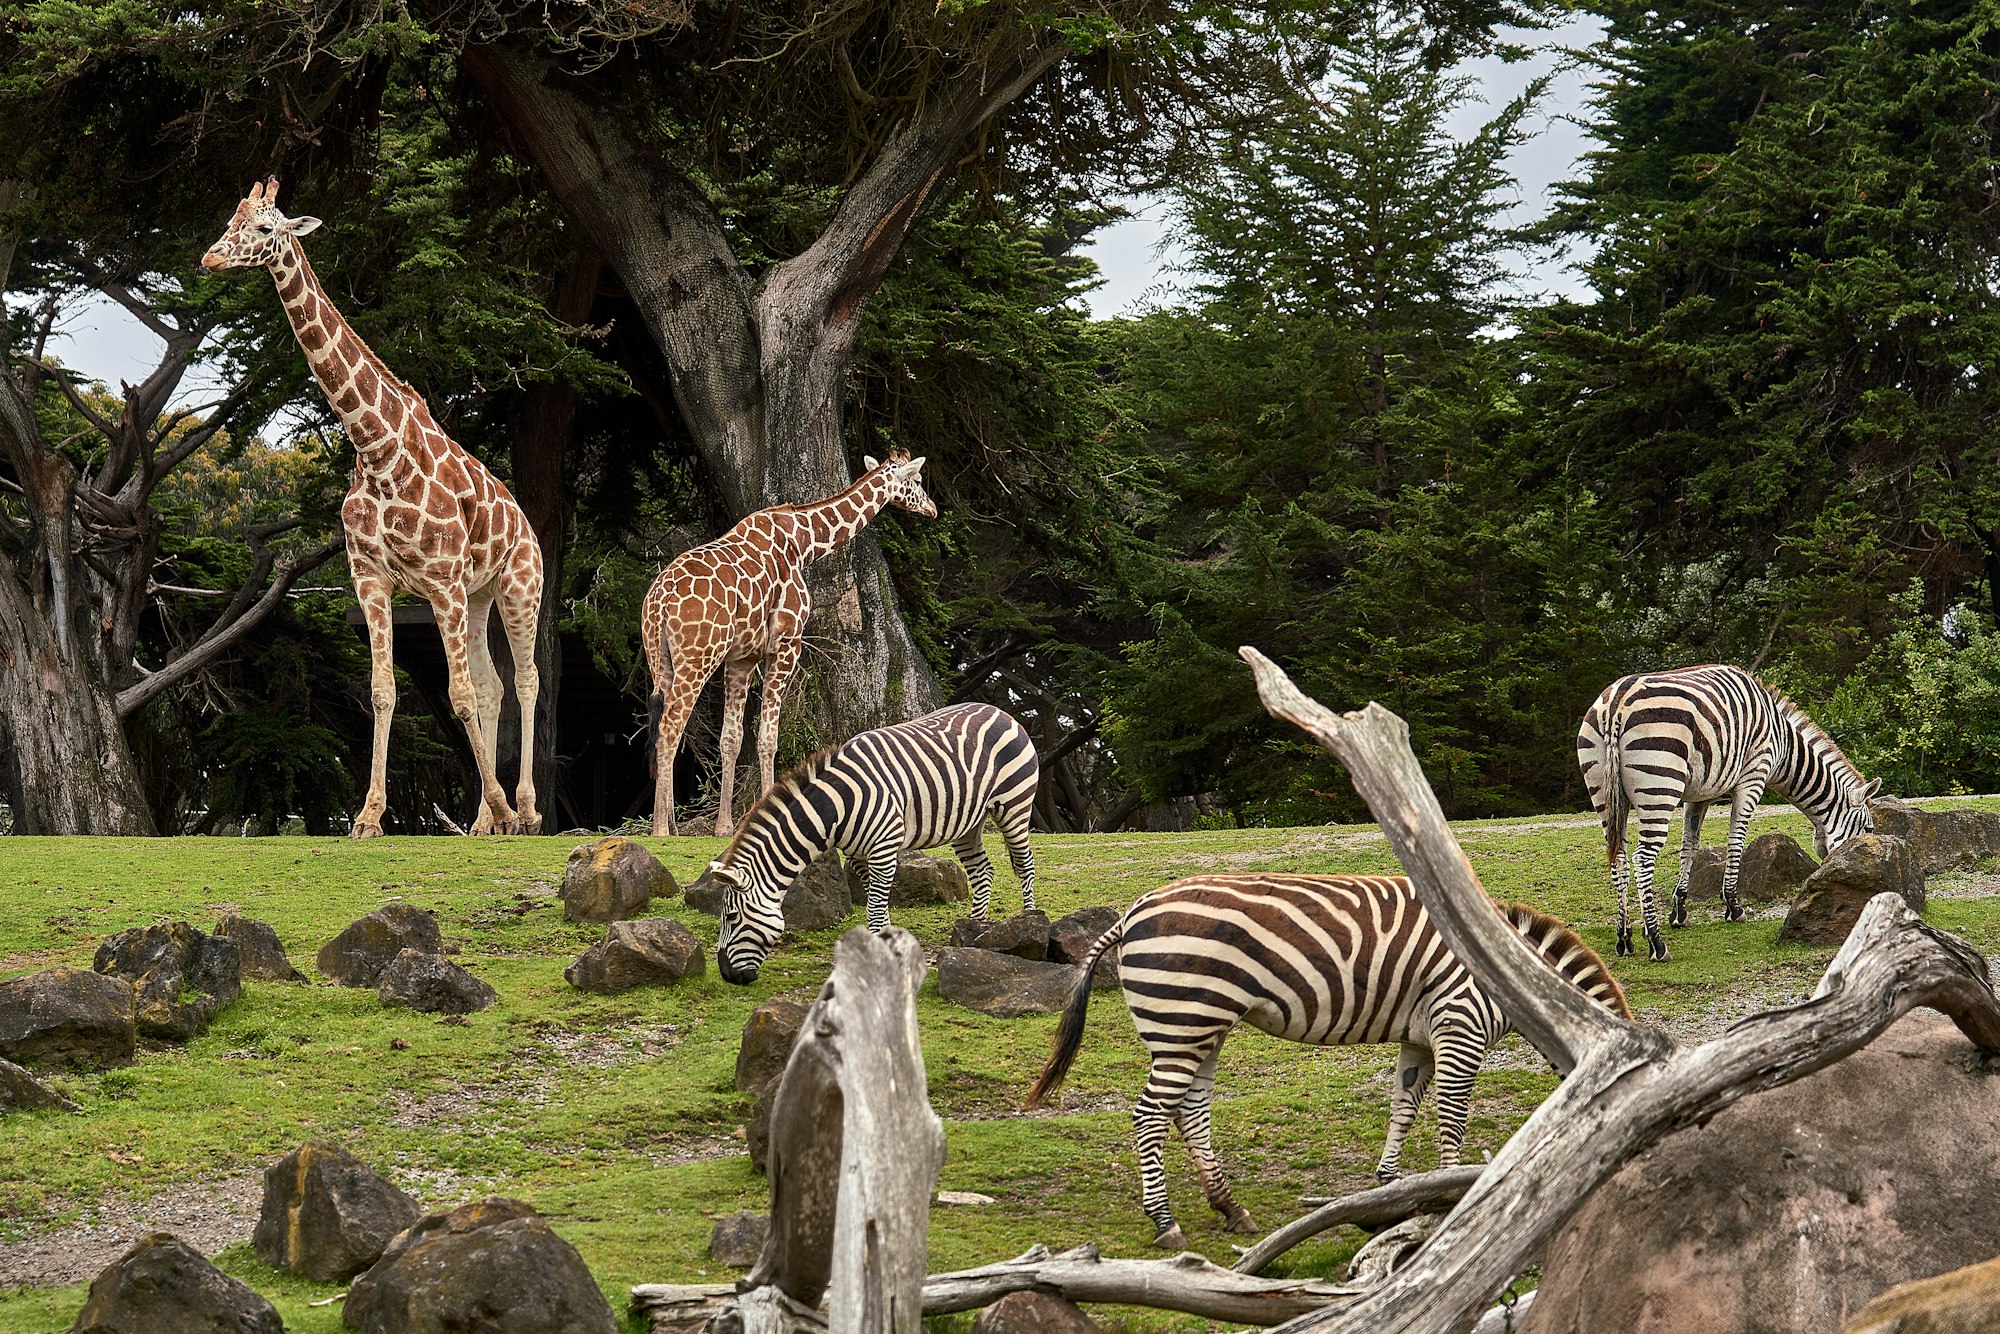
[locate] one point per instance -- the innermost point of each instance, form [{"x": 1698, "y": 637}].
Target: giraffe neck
[
  {"x": 832, "y": 523},
  {"x": 373, "y": 405}
]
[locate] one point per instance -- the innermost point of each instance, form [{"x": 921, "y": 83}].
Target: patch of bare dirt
[
  {"x": 533, "y": 1082},
  {"x": 208, "y": 1216}
]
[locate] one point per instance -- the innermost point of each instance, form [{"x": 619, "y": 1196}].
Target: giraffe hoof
[
  {"x": 369, "y": 830},
  {"x": 1238, "y": 1220},
  {"x": 528, "y": 824},
  {"x": 1171, "y": 1239}
]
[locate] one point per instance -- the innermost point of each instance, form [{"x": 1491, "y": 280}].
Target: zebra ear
[
  {"x": 722, "y": 875},
  {"x": 1874, "y": 786}
]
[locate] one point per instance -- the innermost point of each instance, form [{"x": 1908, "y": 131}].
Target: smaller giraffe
[
  {"x": 741, "y": 600},
  {"x": 421, "y": 515}
]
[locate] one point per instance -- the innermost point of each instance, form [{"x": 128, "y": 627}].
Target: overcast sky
[{"x": 1135, "y": 256}]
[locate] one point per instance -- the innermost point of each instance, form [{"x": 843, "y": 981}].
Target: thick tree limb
[
  {"x": 1628, "y": 1087},
  {"x": 1419, "y": 1193}
]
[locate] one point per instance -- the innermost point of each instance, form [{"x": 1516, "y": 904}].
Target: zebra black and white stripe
[
  {"x": 919, "y": 784},
  {"x": 1330, "y": 960},
  {"x": 1688, "y": 738}
]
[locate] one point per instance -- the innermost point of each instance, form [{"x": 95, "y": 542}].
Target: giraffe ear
[
  {"x": 300, "y": 226},
  {"x": 917, "y": 463},
  {"x": 868, "y": 463}
]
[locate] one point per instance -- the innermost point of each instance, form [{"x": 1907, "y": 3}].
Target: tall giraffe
[
  {"x": 741, "y": 600},
  {"x": 422, "y": 516}
]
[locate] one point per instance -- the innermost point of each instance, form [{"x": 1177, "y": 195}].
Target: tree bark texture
[
  {"x": 1419, "y": 1193},
  {"x": 1627, "y": 1087},
  {"x": 758, "y": 364}
]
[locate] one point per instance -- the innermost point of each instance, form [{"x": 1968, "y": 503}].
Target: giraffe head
[
  {"x": 906, "y": 483},
  {"x": 257, "y": 232}
]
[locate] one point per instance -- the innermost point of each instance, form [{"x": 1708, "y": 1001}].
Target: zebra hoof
[
  {"x": 1733, "y": 913},
  {"x": 1171, "y": 1239},
  {"x": 1387, "y": 1174},
  {"x": 1238, "y": 1220},
  {"x": 1656, "y": 951},
  {"x": 1625, "y": 944}
]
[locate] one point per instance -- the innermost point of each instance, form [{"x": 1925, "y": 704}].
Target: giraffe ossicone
[
  {"x": 740, "y": 602},
  {"x": 422, "y": 516}
]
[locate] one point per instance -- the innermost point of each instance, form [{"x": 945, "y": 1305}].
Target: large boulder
[
  {"x": 651, "y": 952},
  {"x": 1773, "y": 868},
  {"x": 1789, "y": 1210},
  {"x": 181, "y": 977},
  {"x": 1071, "y": 937},
  {"x": 1940, "y": 840},
  {"x": 358, "y": 955},
  {"x": 493, "y": 1267},
  {"x": 768, "y": 1037},
  {"x": 65, "y": 1016},
  {"x": 259, "y": 953},
  {"x": 1033, "y": 1313},
  {"x": 738, "y": 1239},
  {"x": 22, "y": 1092},
  {"x": 328, "y": 1215},
  {"x": 1003, "y": 985},
  {"x": 434, "y": 984},
  {"x": 163, "y": 1284},
  {"x": 1025, "y": 935},
  {"x": 921, "y": 881},
  {"x": 611, "y": 880},
  {"x": 1835, "y": 894},
  {"x": 1965, "y": 1301},
  {"x": 818, "y": 898}
]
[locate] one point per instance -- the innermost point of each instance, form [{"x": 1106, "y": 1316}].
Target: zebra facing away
[
  {"x": 1688, "y": 738},
  {"x": 918, "y": 784},
  {"x": 1329, "y": 960}
]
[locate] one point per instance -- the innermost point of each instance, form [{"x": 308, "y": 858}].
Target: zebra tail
[
  {"x": 1069, "y": 1033},
  {"x": 1616, "y": 808}
]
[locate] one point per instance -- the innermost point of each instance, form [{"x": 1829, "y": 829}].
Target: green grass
[{"x": 615, "y": 1116}]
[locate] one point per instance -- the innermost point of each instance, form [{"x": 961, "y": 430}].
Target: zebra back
[{"x": 1560, "y": 946}]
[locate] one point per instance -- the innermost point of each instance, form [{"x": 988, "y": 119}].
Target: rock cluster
[
  {"x": 1024, "y": 964},
  {"x": 66, "y": 1016},
  {"x": 181, "y": 977},
  {"x": 1025, "y": 935},
  {"x": 1071, "y": 937},
  {"x": 651, "y": 952},
  {"x": 1033, "y": 1313},
  {"x": 1940, "y": 840},
  {"x": 359, "y": 955},
  {"x": 611, "y": 880},
  {"x": 328, "y": 1215}
]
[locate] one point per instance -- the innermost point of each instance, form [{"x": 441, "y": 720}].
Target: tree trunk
[{"x": 70, "y": 768}]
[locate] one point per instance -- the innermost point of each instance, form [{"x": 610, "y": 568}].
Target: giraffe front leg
[
  {"x": 520, "y": 613},
  {"x": 778, "y": 669},
  {"x": 374, "y": 594},
  {"x": 735, "y": 694},
  {"x": 454, "y": 623},
  {"x": 486, "y": 691}
]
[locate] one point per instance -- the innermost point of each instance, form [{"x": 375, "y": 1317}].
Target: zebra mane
[
  {"x": 1557, "y": 942},
  {"x": 1813, "y": 736},
  {"x": 788, "y": 784}
]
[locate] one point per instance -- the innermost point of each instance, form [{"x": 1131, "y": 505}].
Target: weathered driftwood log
[
  {"x": 1627, "y": 1086},
  {"x": 1418, "y": 1193}
]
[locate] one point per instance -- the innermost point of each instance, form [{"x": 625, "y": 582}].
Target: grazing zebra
[
  {"x": 1331, "y": 960},
  {"x": 1661, "y": 739},
  {"x": 917, "y": 784}
]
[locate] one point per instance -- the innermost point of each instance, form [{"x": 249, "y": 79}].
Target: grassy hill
[{"x": 616, "y": 1117}]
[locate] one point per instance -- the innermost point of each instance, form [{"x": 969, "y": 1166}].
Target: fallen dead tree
[
  {"x": 1418, "y": 1193},
  {"x": 1627, "y": 1087},
  {"x": 856, "y": 1147}
]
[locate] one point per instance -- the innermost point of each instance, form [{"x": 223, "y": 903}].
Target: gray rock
[
  {"x": 433, "y": 984},
  {"x": 21, "y": 1091},
  {"x": 1025, "y": 935},
  {"x": 1941, "y": 840},
  {"x": 1071, "y": 937},
  {"x": 65, "y": 1016},
  {"x": 358, "y": 955},
  {"x": 259, "y": 953},
  {"x": 768, "y": 1037},
  {"x": 738, "y": 1239},
  {"x": 493, "y": 1267},
  {"x": 757, "y": 1130},
  {"x": 1773, "y": 868},
  {"x": 1834, "y": 895},
  {"x": 921, "y": 880},
  {"x": 1033, "y": 1313},
  {"x": 818, "y": 898},
  {"x": 1787, "y": 1211},
  {"x": 1003, "y": 985},
  {"x": 181, "y": 977},
  {"x": 162, "y": 1284},
  {"x": 651, "y": 952},
  {"x": 328, "y": 1215},
  {"x": 611, "y": 880}
]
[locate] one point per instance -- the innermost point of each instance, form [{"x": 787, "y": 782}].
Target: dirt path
[{"x": 209, "y": 1217}]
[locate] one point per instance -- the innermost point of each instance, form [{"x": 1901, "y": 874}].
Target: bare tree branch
[{"x": 1418, "y": 1193}]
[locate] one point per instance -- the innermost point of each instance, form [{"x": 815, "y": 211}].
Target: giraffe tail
[
  {"x": 1069, "y": 1033},
  {"x": 656, "y": 704}
]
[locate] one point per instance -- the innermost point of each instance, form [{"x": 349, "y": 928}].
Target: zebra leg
[
  {"x": 1197, "y": 1134},
  {"x": 1158, "y": 1108},
  {"x": 1691, "y": 818},
  {"x": 879, "y": 865},
  {"x": 1645, "y": 856},
  {"x": 1458, "y": 1056},
  {"x": 1013, "y": 823},
  {"x": 1621, "y": 880},
  {"x": 971, "y": 851},
  {"x": 1413, "y": 1076},
  {"x": 1741, "y": 807}
]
